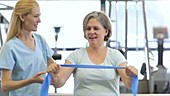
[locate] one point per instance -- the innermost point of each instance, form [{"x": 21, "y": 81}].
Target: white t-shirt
[{"x": 96, "y": 82}]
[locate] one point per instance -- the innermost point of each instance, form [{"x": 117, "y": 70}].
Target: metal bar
[
  {"x": 137, "y": 25},
  {"x": 103, "y": 5},
  {"x": 1, "y": 40},
  {"x": 110, "y": 8},
  {"x": 126, "y": 27},
  {"x": 6, "y": 7},
  {"x": 116, "y": 27},
  {"x": 147, "y": 46}
]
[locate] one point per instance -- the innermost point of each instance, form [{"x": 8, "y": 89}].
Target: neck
[
  {"x": 26, "y": 36},
  {"x": 96, "y": 49}
]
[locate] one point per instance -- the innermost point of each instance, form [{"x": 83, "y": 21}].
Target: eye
[
  {"x": 96, "y": 28},
  {"x": 37, "y": 15},
  {"x": 88, "y": 28}
]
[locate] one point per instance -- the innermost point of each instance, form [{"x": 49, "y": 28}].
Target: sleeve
[
  {"x": 75, "y": 56},
  {"x": 118, "y": 57},
  {"x": 47, "y": 51},
  {"x": 7, "y": 58}
]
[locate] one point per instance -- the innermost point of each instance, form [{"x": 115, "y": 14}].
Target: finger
[
  {"x": 57, "y": 68},
  {"x": 131, "y": 71},
  {"x": 40, "y": 73},
  {"x": 52, "y": 68}
]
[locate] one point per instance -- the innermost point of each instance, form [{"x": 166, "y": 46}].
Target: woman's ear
[
  {"x": 106, "y": 33},
  {"x": 21, "y": 17}
]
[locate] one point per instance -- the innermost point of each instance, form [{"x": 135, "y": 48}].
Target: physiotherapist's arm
[
  {"x": 50, "y": 61},
  {"x": 52, "y": 65},
  {"x": 8, "y": 84}
]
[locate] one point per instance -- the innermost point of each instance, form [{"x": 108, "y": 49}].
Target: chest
[
  {"x": 92, "y": 75},
  {"x": 30, "y": 44},
  {"x": 97, "y": 58}
]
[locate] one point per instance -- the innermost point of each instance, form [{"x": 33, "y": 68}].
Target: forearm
[
  {"x": 57, "y": 82},
  {"x": 59, "y": 74},
  {"x": 128, "y": 82},
  {"x": 50, "y": 61},
  {"x": 13, "y": 85}
]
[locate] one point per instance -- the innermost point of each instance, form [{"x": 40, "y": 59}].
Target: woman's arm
[
  {"x": 59, "y": 78},
  {"x": 127, "y": 74}
]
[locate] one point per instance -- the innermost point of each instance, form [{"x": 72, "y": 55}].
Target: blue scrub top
[{"x": 25, "y": 62}]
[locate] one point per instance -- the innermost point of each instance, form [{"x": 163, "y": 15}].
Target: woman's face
[
  {"x": 95, "y": 32},
  {"x": 32, "y": 19}
]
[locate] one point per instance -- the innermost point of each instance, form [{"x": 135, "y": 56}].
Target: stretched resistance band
[
  {"x": 47, "y": 81},
  {"x": 92, "y": 66},
  {"x": 45, "y": 85}
]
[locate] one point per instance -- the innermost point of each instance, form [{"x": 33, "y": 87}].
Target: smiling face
[
  {"x": 95, "y": 32},
  {"x": 97, "y": 27},
  {"x": 31, "y": 20}
]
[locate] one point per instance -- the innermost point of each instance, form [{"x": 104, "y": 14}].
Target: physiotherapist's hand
[
  {"x": 37, "y": 78},
  {"x": 53, "y": 68},
  {"x": 131, "y": 71}
]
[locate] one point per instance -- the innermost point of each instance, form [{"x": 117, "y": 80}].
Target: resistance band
[
  {"x": 134, "y": 85},
  {"x": 47, "y": 81},
  {"x": 45, "y": 85},
  {"x": 92, "y": 66}
]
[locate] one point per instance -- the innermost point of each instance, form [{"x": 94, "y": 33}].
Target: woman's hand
[{"x": 131, "y": 71}]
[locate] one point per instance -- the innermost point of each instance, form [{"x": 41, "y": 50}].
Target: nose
[
  {"x": 39, "y": 20},
  {"x": 91, "y": 31}
]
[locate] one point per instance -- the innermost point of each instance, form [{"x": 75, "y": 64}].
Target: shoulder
[
  {"x": 110, "y": 50},
  {"x": 76, "y": 56},
  {"x": 37, "y": 36},
  {"x": 78, "y": 52},
  {"x": 11, "y": 43},
  {"x": 115, "y": 52}
]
